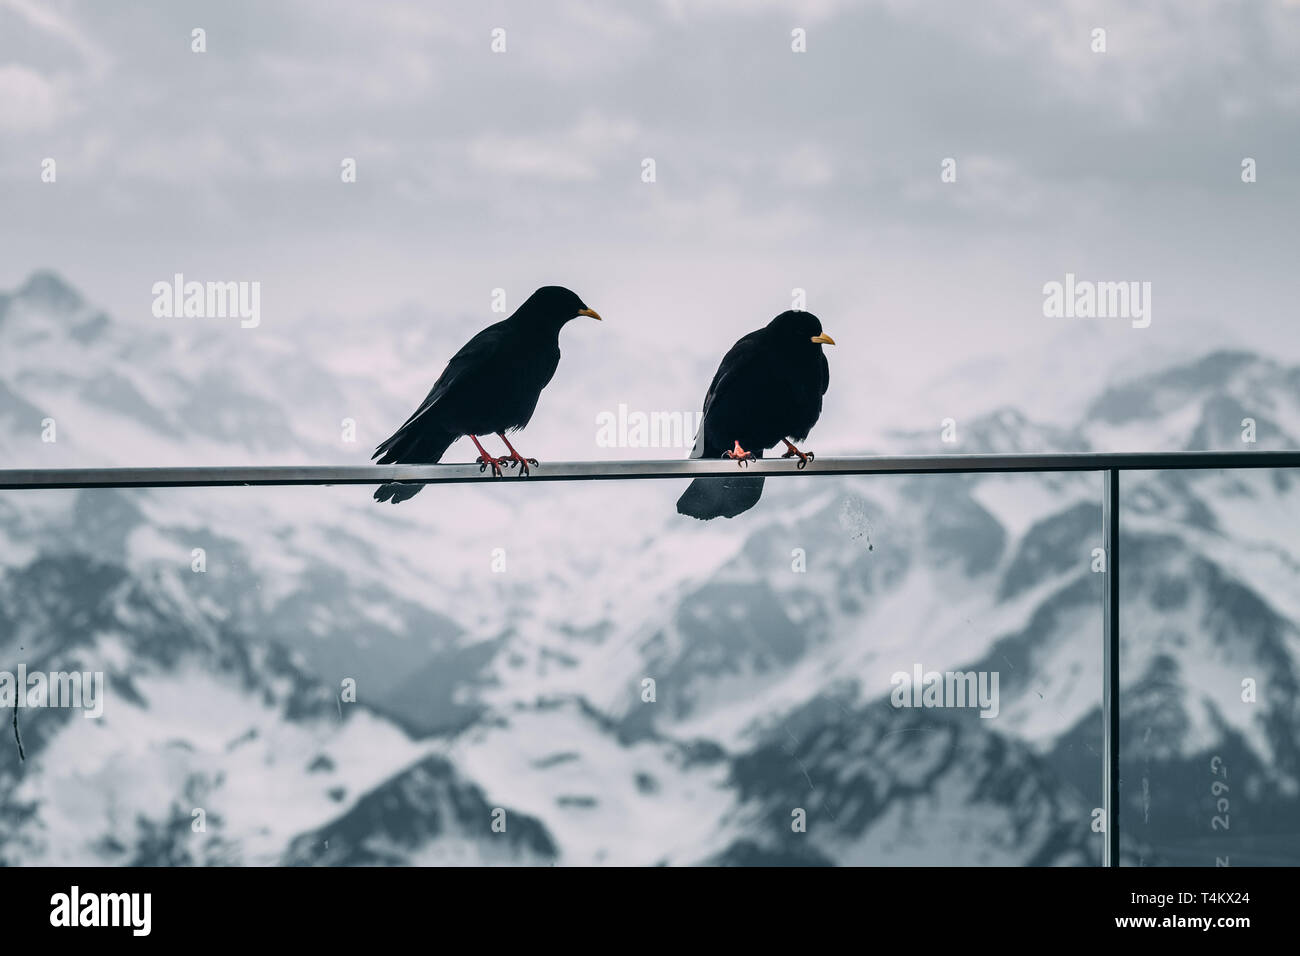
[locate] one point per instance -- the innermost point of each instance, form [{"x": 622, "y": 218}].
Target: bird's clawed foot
[
  {"x": 803, "y": 456},
  {"x": 517, "y": 459},
  {"x": 741, "y": 457},
  {"x": 523, "y": 463},
  {"x": 485, "y": 459}
]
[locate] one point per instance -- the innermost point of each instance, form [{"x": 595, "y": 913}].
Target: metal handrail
[{"x": 203, "y": 476}]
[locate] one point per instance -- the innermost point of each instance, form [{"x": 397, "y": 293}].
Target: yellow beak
[
  {"x": 591, "y": 312},
  {"x": 824, "y": 339}
]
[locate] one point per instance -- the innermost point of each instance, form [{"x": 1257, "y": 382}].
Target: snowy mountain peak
[
  {"x": 47, "y": 308},
  {"x": 1003, "y": 431},
  {"x": 48, "y": 290},
  {"x": 1225, "y": 399}
]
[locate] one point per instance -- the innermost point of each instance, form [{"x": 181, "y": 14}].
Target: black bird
[
  {"x": 768, "y": 389},
  {"x": 491, "y": 385}
]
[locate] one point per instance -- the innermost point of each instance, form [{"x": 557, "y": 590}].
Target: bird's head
[
  {"x": 800, "y": 329},
  {"x": 554, "y": 305}
]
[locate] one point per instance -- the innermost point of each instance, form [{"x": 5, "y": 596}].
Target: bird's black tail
[
  {"x": 707, "y": 498},
  {"x": 396, "y": 492},
  {"x": 411, "y": 444}
]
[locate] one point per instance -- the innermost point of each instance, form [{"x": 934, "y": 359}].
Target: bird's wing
[
  {"x": 470, "y": 356},
  {"x": 738, "y": 361}
]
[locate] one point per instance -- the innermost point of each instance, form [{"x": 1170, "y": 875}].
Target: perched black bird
[
  {"x": 491, "y": 385},
  {"x": 768, "y": 389}
]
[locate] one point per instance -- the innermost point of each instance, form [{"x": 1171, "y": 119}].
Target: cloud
[
  {"x": 28, "y": 102},
  {"x": 798, "y": 12},
  {"x": 43, "y": 19},
  {"x": 775, "y": 169},
  {"x": 806, "y": 165},
  {"x": 572, "y": 155},
  {"x": 991, "y": 184}
]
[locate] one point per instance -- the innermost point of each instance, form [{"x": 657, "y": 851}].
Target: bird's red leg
[
  {"x": 516, "y": 457},
  {"x": 741, "y": 457},
  {"x": 804, "y": 457},
  {"x": 485, "y": 459}
]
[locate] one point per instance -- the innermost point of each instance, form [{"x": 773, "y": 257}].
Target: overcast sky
[{"x": 775, "y": 169}]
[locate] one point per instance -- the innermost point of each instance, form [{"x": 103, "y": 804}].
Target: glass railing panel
[
  {"x": 1210, "y": 701},
  {"x": 565, "y": 672}
]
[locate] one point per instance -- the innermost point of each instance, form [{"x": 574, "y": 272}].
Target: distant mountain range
[{"x": 506, "y": 715}]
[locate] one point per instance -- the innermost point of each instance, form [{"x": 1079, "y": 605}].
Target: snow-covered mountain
[{"x": 502, "y": 639}]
